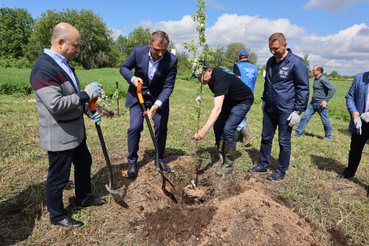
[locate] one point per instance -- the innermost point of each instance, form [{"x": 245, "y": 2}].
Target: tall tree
[
  {"x": 219, "y": 57},
  {"x": 96, "y": 40},
  {"x": 334, "y": 74},
  {"x": 138, "y": 36},
  {"x": 306, "y": 59},
  {"x": 232, "y": 52},
  {"x": 121, "y": 44},
  {"x": 15, "y": 30}
]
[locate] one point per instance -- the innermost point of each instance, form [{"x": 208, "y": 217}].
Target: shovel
[
  {"x": 143, "y": 108},
  {"x": 115, "y": 193}
]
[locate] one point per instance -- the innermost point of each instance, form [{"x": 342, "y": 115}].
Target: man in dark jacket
[
  {"x": 232, "y": 100},
  {"x": 285, "y": 96},
  {"x": 60, "y": 105},
  {"x": 156, "y": 69}
]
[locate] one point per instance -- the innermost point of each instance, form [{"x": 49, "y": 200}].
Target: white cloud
[
  {"x": 346, "y": 51},
  {"x": 342, "y": 51},
  {"x": 214, "y": 4},
  {"x": 116, "y": 33},
  {"x": 180, "y": 32},
  {"x": 332, "y": 5}
]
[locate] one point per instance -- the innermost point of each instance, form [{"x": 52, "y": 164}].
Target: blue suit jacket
[
  {"x": 357, "y": 97},
  {"x": 162, "y": 84}
]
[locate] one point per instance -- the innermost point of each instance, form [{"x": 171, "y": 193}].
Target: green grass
[{"x": 310, "y": 185}]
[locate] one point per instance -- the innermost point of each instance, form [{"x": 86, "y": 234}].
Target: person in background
[
  {"x": 156, "y": 70},
  {"x": 357, "y": 102},
  {"x": 60, "y": 105},
  {"x": 232, "y": 100},
  {"x": 323, "y": 91},
  {"x": 248, "y": 74},
  {"x": 285, "y": 96}
]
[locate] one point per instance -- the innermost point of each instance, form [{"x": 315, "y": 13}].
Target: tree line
[{"x": 22, "y": 40}]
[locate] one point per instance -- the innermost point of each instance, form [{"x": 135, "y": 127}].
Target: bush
[{"x": 10, "y": 62}]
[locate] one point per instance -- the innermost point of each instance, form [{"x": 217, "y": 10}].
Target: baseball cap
[
  {"x": 204, "y": 64},
  {"x": 244, "y": 53}
]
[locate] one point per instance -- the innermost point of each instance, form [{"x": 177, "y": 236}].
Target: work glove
[
  {"x": 95, "y": 116},
  {"x": 358, "y": 124},
  {"x": 93, "y": 90},
  {"x": 294, "y": 118},
  {"x": 365, "y": 117}
]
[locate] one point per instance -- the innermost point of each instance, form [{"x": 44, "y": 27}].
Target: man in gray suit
[{"x": 60, "y": 105}]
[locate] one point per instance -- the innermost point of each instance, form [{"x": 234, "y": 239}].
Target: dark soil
[{"x": 231, "y": 210}]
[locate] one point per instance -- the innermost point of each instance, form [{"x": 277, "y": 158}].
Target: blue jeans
[
  {"x": 227, "y": 122},
  {"x": 310, "y": 111},
  {"x": 270, "y": 123},
  {"x": 242, "y": 124}
]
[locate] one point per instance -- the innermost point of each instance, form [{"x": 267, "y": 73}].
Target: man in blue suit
[
  {"x": 358, "y": 107},
  {"x": 156, "y": 69}
]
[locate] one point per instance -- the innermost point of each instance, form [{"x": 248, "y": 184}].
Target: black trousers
[
  {"x": 356, "y": 150},
  {"x": 58, "y": 176}
]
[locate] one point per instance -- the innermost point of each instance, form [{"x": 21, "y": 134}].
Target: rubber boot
[
  {"x": 240, "y": 137},
  {"x": 247, "y": 134},
  {"x": 229, "y": 153},
  {"x": 219, "y": 162}
]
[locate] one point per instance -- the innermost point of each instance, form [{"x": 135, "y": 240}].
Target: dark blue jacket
[
  {"x": 162, "y": 84},
  {"x": 289, "y": 89}
]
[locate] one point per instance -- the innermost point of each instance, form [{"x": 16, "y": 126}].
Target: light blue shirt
[
  {"x": 62, "y": 62},
  {"x": 153, "y": 66}
]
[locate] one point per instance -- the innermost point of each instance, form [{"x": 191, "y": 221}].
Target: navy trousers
[
  {"x": 270, "y": 123},
  {"x": 136, "y": 126},
  {"x": 356, "y": 150},
  {"x": 58, "y": 176}
]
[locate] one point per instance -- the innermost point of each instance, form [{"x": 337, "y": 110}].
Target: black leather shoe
[
  {"x": 344, "y": 176},
  {"x": 69, "y": 222},
  {"x": 258, "y": 169},
  {"x": 277, "y": 176},
  {"x": 132, "y": 170},
  {"x": 93, "y": 202},
  {"x": 164, "y": 167}
]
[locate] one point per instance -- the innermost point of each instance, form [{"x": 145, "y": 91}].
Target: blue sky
[{"x": 335, "y": 33}]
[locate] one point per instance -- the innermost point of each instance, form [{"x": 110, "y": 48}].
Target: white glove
[
  {"x": 294, "y": 118},
  {"x": 358, "y": 124},
  {"x": 95, "y": 116},
  {"x": 93, "y": 90},
  {"x": 365, "y": 117}
]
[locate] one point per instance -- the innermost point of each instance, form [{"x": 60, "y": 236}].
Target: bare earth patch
[{"x": 231, "y": 210}]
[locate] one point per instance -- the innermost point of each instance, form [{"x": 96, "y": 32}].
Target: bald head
[{"x": 65, "y": 40}]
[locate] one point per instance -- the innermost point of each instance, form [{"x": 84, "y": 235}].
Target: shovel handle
[
  {"x": 139, "y": 94},
  {"x": 92, "y": 103}
]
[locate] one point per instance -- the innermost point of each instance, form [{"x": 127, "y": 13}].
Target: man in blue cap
[{"x": 248, "y": 74}]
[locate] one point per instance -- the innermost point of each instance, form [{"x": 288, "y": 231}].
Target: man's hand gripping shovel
[
  {"x": 143, "y": 108},
  {"x": 115, "y": 193}
]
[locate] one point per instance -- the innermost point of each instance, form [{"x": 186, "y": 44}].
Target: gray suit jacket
[{"x": 59, "y": 106}]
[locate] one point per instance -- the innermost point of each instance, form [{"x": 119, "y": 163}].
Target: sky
[{"x": 334, "y": 33}]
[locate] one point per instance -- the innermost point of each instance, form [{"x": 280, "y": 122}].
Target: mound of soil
[
  {"x": 218, "y": 211},
  {"x": 231, "y": 210}
]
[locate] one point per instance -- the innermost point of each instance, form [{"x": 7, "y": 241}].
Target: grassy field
[{"x": 310, "y": 185}]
